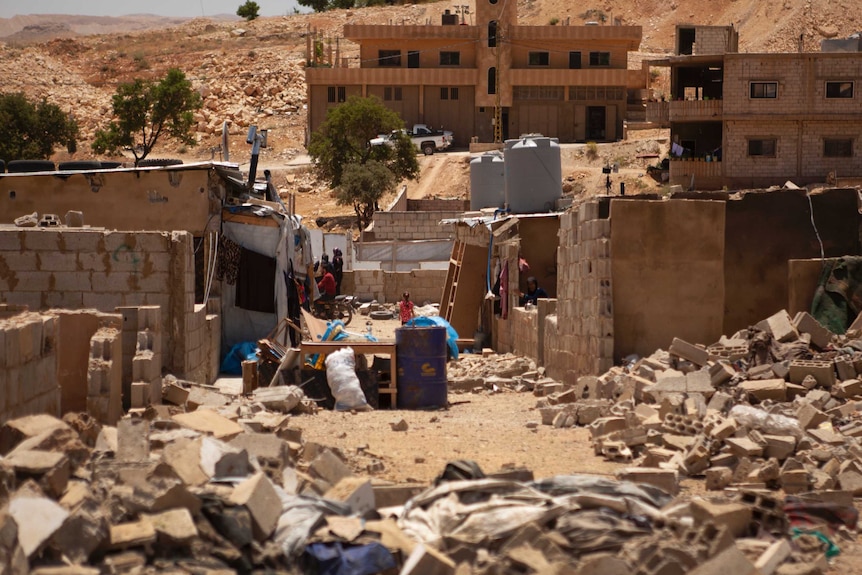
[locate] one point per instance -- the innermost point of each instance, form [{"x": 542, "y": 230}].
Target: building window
[
  {"x": 539, "y": 59},
  {"x": 574, "y": 60},
  {"x": 587, "y": 93},
  {"x": 538, "y": 92},
  {"x": 389, "y": 58},
  {"x": 492, "y": 80},
  {"x": 839, "y": 89},
  {"x": 763, "y": 90},
  {"x": 450, "y": 58},
  {"x": 390, "y": 94},
  {"x": 838, "y": 148},
  {"x": 764, "y": 147},
  {"x": 600, "y": 58},
  {"x": 336, "y": 94},
  {"x": 492, "y": 34},
  {"x": 448, "y": 93}
]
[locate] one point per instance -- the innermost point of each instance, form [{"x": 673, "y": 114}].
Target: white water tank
[
  {"x": 487, "y": 181},
  {"x": 534, "y": 174}
]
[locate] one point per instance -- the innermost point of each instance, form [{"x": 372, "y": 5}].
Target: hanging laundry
[{"x": 227, "y": 265}]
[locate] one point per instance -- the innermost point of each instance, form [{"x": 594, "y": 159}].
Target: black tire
[
  {"x": 79, "y": 165},
  {"x": 2, "y": 167},
  {"x": 380, "y": 314},
  {"x": 111, "y": 165},
  {"x": 29, "y": 166},
  {"x": 428, "y": 148},
  {"x": 343, "y": 312},
  {"x": 159, "y": 162}
]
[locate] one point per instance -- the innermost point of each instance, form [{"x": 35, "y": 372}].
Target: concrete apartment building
[
  {"x": 567, "y": 82},
  {"x": 755, "y": 120}
]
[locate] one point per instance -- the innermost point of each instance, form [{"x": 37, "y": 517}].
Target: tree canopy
[
  {"x": 31, "y": 130},
  {"x": 250, "y": 10},
  {"x": 360, "y": 173},
  {"x": 144, "y": 111}
]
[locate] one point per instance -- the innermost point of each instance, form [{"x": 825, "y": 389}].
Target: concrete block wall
[
  {"x": 712, "y": 40},
  {"x": 105, "y": 376},
  {"x": 387, "y": 287},
  {"x": 104, "y": 270},
  {"x": 28, "y": 366},
  {"x": 438, "y": 204},
  {"x": 736, "y": 161},
  {"x": 423, "y": 225},
  {"x": 525, "y": 332},
  {"x": 584, "y": 342},
  {"x": 203, "y": 333}
]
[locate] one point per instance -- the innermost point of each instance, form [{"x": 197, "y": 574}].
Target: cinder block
[
  {"x": 140, "y": 394},
  {"x": 697, "y": 355}
]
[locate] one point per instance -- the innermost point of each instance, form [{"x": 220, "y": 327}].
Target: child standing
[{"x": 405, "y": 308}]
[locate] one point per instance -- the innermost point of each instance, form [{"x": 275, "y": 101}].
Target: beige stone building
[
  {"x": 754, "y": 120},
  {"x": 568, "y": 82}
]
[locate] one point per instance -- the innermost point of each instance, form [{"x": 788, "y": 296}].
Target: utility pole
[{"x": 498, "y": 110}]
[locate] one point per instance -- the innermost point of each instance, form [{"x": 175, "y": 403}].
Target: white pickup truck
[{"x": 424, "y": 138}]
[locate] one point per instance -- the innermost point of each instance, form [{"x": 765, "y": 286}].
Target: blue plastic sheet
[
  {"x": 337, "y": 559},
  {"x": 243, "y": 351},
  {"x": 437, "y": 321}
]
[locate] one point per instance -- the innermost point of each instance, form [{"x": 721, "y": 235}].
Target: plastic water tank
[
  {"x": 534, "y": 175},
  {"x": 487, "y": 181}
]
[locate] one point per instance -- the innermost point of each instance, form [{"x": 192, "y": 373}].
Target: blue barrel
[{"x": 421, "y": 356}]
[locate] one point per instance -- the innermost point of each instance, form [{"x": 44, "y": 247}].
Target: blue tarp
[
  {"x": 337, "y": 559},
  {"x": 437, "y": 321},
  {"x": 243, "y": 351}
]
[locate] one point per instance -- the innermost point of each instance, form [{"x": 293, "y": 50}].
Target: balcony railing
[
  {"x": 681, "y": 171},
  {"x": 658, "y": 112},
  {"x": 695, "y": 110}
]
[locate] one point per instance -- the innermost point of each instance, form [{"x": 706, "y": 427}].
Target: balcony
[
  {"x": 705, "y": 175},
  {"x": 695, "y": 110},
  {"x": 658, "y": 112}
]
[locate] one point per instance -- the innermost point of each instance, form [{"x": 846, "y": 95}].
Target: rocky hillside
[{"x": 252, "y": 72}]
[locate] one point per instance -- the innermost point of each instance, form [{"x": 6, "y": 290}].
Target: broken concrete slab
[
  {"x": 681, "y": 348},
  {"x": 17, "y": 430},
  {"x": 258, "y": 495},
  {"x": 133, "y": 440},
  {"x": 281, "y": 398},
  {"x": 356, "y": 492},
  {"x": 174, "y": 526},
  {"x": 210, "y": 422},
  {"x": 329, "y": 467},
  {"x": 132, "y": 534},
  {"x": 38, "y": 518},
  {"x": 664, "y": 479},
  {"x": 764, "y": 389},
  {"x": 219, "y": 459},
  {"x": 780, "y": 326}
]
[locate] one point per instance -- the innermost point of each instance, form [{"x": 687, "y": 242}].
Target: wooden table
[{"x": 360, "y": 347}]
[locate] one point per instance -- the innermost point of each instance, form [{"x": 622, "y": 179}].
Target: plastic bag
[
  {"x": 343, "y": 382},
  {"x": 770, "y": 423}
]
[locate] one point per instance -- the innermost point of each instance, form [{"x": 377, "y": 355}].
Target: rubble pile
[
  {"x": 492, "y": 372},
  {"x": 772, "y": 407}
]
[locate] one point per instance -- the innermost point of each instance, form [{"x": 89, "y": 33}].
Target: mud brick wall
[
  {"x": 65, "y": 268},
  {"x": 28, "y": 366},
  {"x": 387, "y": 287},
  {"x": 423, "y": 225},
  {"x": 525, "y": 332},
  {"x": 584, "y": 342}
]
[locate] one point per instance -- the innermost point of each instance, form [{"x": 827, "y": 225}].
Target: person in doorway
[
  {"x": 326, "y": 285},
  {"x": 337, "y": 269},
  {"x": 533, "y": 293},
  {"x": 405, "y": 308}
]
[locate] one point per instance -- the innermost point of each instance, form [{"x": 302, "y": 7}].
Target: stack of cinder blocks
[
  {"x": 105, "y": 376},
  {"x": 142, "y": 346}
]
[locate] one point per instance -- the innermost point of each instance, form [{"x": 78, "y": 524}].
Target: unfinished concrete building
[
  {"x": 630, "y": 274},
  {"x": 742, "y": 120},
  {"x": 132, "y": 288},
  {"x": 568, "y": 82}
]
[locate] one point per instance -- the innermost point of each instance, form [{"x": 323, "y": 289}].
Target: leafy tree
[
  {"x": 144, "y": 111},
  {"x": 360, "y": 173},
  {"x": 31, "y": 130},
  {"x": 250, "y": 10},
  {"x": 316, "y": 5}
]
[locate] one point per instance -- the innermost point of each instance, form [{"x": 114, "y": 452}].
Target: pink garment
[{"x": 504, "y": 290}]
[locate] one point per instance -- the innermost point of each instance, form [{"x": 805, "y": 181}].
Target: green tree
[
  {"x": 359, "y": 172},
  {"x": 31, "y": 130},
  {"x": 250, "y": 10},
  {"x": 316, "y": 5},
  {"x": 144, "y": 111}
]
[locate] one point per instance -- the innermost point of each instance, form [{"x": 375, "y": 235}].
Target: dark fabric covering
[
  {"x": 294, "y": 304},
  {"x": 838, "y": 298},
  {"x": 227, "y": 265},
  {"x": 255, "y": 285}
]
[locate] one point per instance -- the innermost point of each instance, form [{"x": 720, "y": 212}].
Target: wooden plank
[
  {"x": 227, "y": 216},
  {"x": 316, "y": 327}
]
